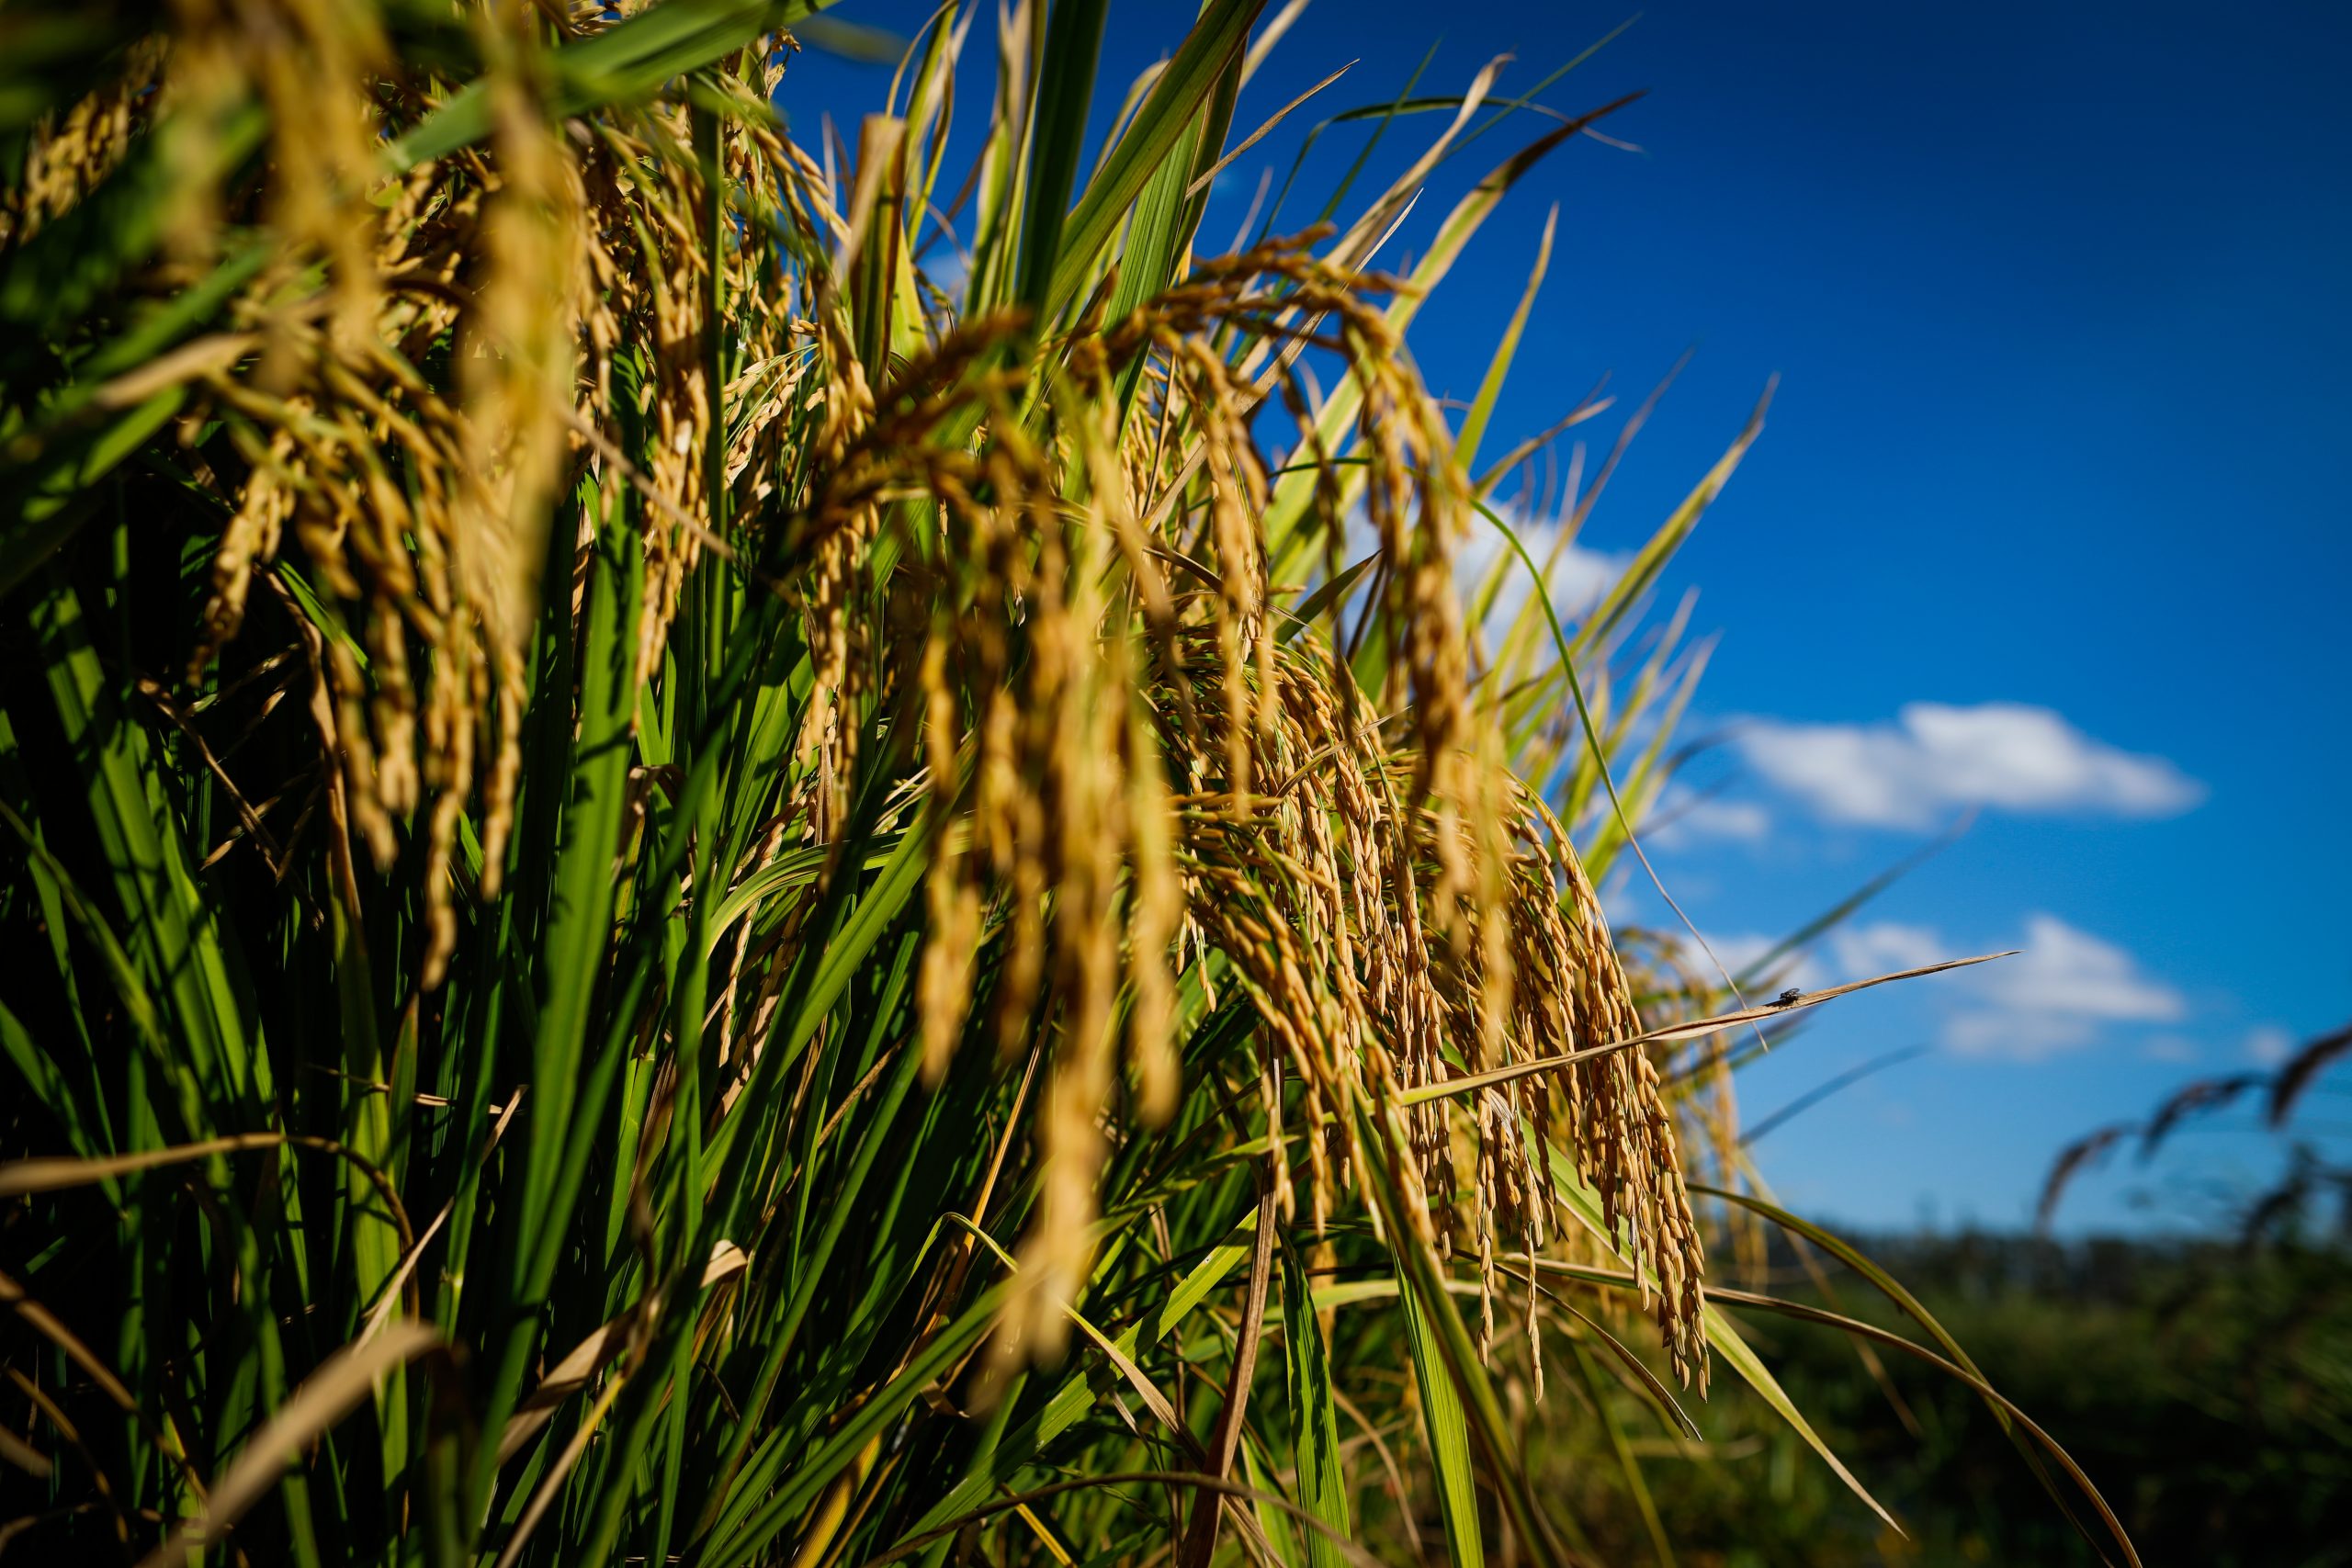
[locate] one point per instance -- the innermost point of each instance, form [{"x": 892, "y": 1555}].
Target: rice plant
[
  {"x": 683, "y": 889},
  {"x": 2287, "y": 1204}
]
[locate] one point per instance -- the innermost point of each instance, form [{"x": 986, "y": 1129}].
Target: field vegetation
[{"x": 729, "y": 851}]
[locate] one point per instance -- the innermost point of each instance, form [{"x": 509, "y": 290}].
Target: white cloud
[
  {"x": 2268, "y": 1045},
  {"x": 1737, "y": 949},
  {"x": 1885, "y": 947},
  {"x": 1684, "y": 817},
  {"x": 2057, "y": 994},
  {"x": 2066, "y": 970},
  {"x": 1578, "y": 579},
  {"x": 1741, "y": 820},
  {"x": 2060, "y": 991},
  {"x": 1937, "y": 758},
  {"x": 2019, "y": 1036}
]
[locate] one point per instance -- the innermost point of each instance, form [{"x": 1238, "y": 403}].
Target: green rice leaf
[{"x": 1313, "y": 1417}]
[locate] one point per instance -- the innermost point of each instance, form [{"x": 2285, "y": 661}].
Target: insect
[{"x": 1787, "y": 997}]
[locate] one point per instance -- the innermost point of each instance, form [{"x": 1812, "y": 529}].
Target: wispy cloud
[
  {"x": 1684, "y": 817},
  {"x": 1739, "y": 948},
  {"x": 1884, "y": 946},
  {"x": 1577, "y": 581},
  {"x": 2268, "y": 1045},
  {"x": 2066, "y": 970},
  {"x": 1937, "y": 758},
  {"x": 2062, "y": 990}
]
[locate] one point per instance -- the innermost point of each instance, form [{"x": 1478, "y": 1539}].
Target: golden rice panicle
[
  {"x": 1625, "y": 1134},
  {"x": 1233, "y": 480},
  {"x": 540, "y": 250},
  {"x": 1059, "y": 809},
  {"x": 516, "y": 361},
  {"x": 952, "y": 892},
  {"x": 1349, "y": 989},
  {"x": 1086, "y": 688},
  {"x": 69, "y": 153},
  {"x": 1703, "y": 1096},
  {"x": 311, "y": 63},
  {"x": 1313, "y": 900},
  {"x": 321, "y": 405},
  {"x": 1154, "y": 904},
  {"x": 829, "y": 732}
]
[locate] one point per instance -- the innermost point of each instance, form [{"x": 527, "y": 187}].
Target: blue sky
[{"x": 2047, "y": 519}]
